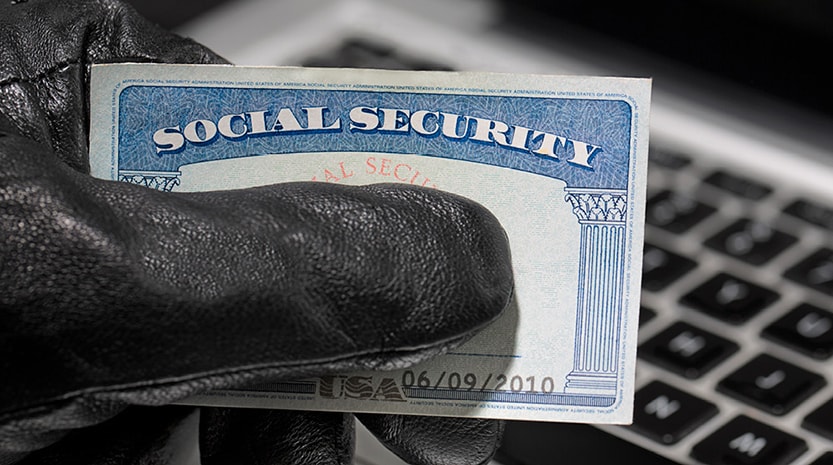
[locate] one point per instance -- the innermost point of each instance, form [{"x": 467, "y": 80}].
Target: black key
[
  {"x": 820, "y": 420},
  {"x": 815, "y": 271},
  {"x": 746, "y": 441},
  {"x": 686, "y": 350},
  {"x": 807, "y": 329},
  {"x": 668, "y": 159},
  {"x": 661, "y": 267},
  {"x": 666, "y": 414},
  {"x": 675, "y": 212},
  {"x": 826, "y": 459},
  {"x": 751, "y": 241},
  {"x": 770, "y": 384},
  {"x": 738, "y": 185},
  {"x": 812, "y": 213},
  {"x": 729, "y": 298},
  {"x": 646, "y": 315},
  {"x": 546, "y": 443}
]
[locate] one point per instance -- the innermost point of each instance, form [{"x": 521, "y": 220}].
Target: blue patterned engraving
[
  {"x": 163, "y": 181},
  {"x": 604, "y": 123}
]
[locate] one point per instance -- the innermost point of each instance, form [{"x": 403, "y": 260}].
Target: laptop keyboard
[
  {"x": 735, "y": 332},
  {"x": 738, "y": 280}
]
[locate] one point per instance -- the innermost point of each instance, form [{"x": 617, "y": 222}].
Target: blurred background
[{"x": 776, "y": 46}]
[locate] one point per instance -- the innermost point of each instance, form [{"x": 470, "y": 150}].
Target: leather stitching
[
  {"x": 59, "y": 67},
  {"x": 40, "y": 76}
]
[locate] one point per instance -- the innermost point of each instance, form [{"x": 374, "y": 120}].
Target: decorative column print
[{"x": 601, "y": 286}]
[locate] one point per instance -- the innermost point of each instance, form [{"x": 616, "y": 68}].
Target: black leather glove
[{"x": 116, "y": 299}]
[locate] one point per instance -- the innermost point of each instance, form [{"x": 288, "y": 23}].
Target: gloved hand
[{"x": 117, "y": 299}]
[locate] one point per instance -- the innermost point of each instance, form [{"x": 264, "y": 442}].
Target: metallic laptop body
[{"x": 737, "y": 326}]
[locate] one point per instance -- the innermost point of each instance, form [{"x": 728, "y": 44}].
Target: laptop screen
[{"x": 774, "y": 46}]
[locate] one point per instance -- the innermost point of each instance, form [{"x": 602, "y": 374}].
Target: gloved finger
[
  {"x": 139, "y": 435},
  {"x": 46, "y": 50},
  {"x": 118, "y": 292},
  {"x": 270, "y": 437},
  {"x": 421, "y": 440},
  {"x": 38, "y": 429}
]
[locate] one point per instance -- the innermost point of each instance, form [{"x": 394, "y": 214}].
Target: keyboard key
[
  {"x": 751, "y": 241},
  {"x": 811, "y": 212},
  {"x": 746, "y": 441},
  {"x": 661, "y": 267},
  {"x": 826, "y": 459},
  {"x": 686, "y": 350},
  {"x": 730, "y": 299},
  {"x": 646, "y": 315},
  {"x": 807, "y": 329},
  {"x": 666, "y": 414},
  {"x": 544, "y": 443},
  {"x": 770, "y": 384},
  {"x": 738, "y": 185},
  {"x": 668, "y": 159},
  {"x": 675, "y": 212},
  {"x": 815, "y": 271},
  {"x": 364, "y": 53},
  {"x": 820, "y": 420}
]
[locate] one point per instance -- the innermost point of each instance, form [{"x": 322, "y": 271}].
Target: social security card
[{"x": 561, "y": 161}]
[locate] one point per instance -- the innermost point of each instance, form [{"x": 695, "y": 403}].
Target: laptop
[{"x": 736, "y": 330}]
